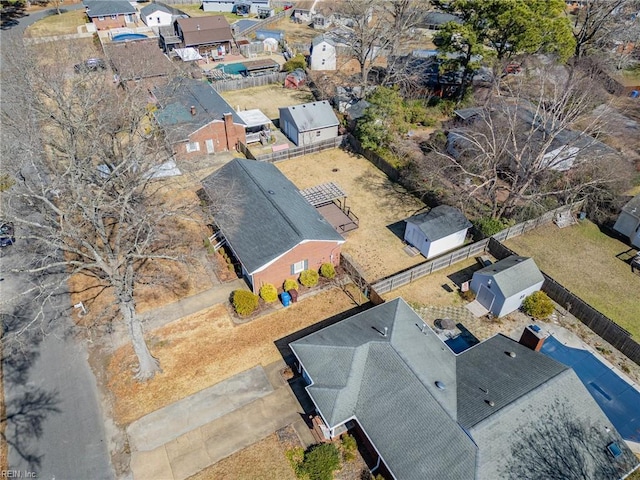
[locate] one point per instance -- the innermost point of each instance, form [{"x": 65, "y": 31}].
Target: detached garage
[
  {"x": 502, "y": 286},
  {"x": 309, "y": 123}
]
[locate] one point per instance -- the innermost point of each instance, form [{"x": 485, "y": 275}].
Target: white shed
[
  {"x": 156, "y": 15},
  {"x": 441, "y": 229},
  {"x": 628, "y": 223},
  {"x": 309, "y": 123},
  {"x": 502, "y": 286}
]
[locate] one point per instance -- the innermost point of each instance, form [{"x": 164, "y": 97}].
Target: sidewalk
[{"x": 205, "y": 445}]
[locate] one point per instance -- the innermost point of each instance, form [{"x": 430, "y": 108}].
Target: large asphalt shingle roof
[
  {"x": 176, "y": 99},
  {"x": 440, "y": 222},
  {"x": 493, "y": 394},
  {"x": 103, "y": 8},
  {"x": 263, "y": 214}
]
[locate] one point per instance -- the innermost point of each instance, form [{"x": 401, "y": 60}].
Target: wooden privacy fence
[
  {"x": 294, "y": 152},
  {"x": 409, "y": 275},
  {"x": 248, "y": 82},
  {"x": 602, "y": 325},
  {"x": 382, "y": 165}
]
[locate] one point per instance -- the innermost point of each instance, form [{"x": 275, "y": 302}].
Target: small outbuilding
[
  {"x": 295, "y": 79},
  {"x": 441, "y": 229},
  {"x": 628, "y": 223},
  {"x": 309, "y": 123},
  {"x": 502, "y": 286}
]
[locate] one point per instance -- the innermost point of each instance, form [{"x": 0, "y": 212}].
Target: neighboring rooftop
[
  {"x": 139, "y": 59},
  {"x": 632, "y": 207},
  {"x": 312, "y": 116},
  {"x": 440, "y": 222},
  {"x": 176, "y": 99},
  {"x": 264, "y": 215},
  {"x": 155, "y": 7},
  {"x": 203, "y": 30},
  {"x": 103, "y": 8}
]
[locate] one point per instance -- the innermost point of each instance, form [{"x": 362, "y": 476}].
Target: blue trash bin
[{"x": 286, "y": 299}]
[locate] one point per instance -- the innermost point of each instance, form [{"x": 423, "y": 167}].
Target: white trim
[
  {"x": 271, "y": 262},
  {"x": 193, "y": 147}
]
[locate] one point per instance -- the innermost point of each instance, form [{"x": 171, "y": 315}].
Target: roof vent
[
  {"x": 193, "y": 109},
  {"x": 385, "y": 332},
  {"x": 511, "y": 354},
  {"x": 440, "y": 385},
  {"x": 490, "y": 403},
  {"x": 271, "y": 192},
  {"x": 197, "y": 27}
]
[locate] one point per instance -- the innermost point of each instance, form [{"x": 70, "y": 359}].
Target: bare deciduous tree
[
  {"x": 85, "y": 203},
  {"x": 594, "y": 23}
]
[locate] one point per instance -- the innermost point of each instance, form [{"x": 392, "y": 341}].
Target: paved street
[{"x": 55, "y": 424}]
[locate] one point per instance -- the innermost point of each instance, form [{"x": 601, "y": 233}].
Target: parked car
[
  {"x": 90, "y": 65},
  {"x": 6, "y": 234}
]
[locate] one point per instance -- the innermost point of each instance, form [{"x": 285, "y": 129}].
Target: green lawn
[
  {"x": 195, "y": 10},
  {"x": 54, "y": 24},
  {"x": 583, "y": 259}
]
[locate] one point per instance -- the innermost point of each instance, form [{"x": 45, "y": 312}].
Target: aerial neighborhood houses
[{"x": 418, "y": 406}]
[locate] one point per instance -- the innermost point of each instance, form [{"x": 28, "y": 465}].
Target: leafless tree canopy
[{"x": 85, "y": 202}]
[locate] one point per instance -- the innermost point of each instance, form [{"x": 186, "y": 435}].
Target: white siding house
[
  {"x": 502, "y": 286},
  {"x": 155, "y": 15},
  {"x": 441, "y": 229},
  {"x": 323, "y": 54},
  {"x": 231, "y": 5},
  {"x": 628, "y": 223},
  {"x": 309, "y": 123}
]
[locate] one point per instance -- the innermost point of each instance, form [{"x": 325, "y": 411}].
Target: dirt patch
[
  {"x": 268, "y": 98},
  {"x": 264, "y": 460},
  {"x": 377, "y": 245},
  {"x": 205, "y": 348}
]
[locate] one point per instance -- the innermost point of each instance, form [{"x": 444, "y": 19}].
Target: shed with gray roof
[
  {"x": 268, "y": 225},
  {"x": 430, "y": 413},
  {"x": 439, "y": 230},
  {"x": 628, "y": 222},
  {"x": 309, "y": 123},
  {"x": 502, "y": 286}
]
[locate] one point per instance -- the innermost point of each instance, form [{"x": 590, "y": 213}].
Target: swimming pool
[
  {"x": 233, "y": 68},
  {"x": 617, "y": 399},
  {"x": 125, "y": 37}
]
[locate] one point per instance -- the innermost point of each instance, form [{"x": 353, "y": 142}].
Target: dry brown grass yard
[
  {"x": 267, "y": 98},
  {"x": 205, "y": 348},
  {"x": 263, "y": 460},
  {"x": 378, "y": 203}
]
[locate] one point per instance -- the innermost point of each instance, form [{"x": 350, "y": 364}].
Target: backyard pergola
[{"x": 331, "y": 202}]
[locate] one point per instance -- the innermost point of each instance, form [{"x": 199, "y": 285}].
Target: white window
[
  {"x": 114, "y": 17},
  {"x": 100, "y": 19},
  {"x": 318, "y": 133},
  {"x": 324, "y": 48},
  {"x": 193, "y": 147},
  {"x": 298, "y": 267},
  {"x": 158, "y": 20},
  {"x": 323, "y": 61},
  {"x": 209, "y": 144}
]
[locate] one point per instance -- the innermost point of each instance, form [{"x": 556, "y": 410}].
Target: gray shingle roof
[
  {"x": 176, "y": 99},
  {"x": 102, "y": 8},
  {"x": 513, "y": 274},
  {"x": 263, "y": 214},
  {"x": 632, "y": 207},
  {"x": 154, "y": 7},
  {"x": 440, "y": 222},
  {"x": 388, "y": 384},
  {"x": 312, "y": 116}
]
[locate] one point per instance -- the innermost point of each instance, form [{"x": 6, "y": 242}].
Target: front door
[
  {"x": 209, "y": 144},
  {"x": 485, "y": 297}
]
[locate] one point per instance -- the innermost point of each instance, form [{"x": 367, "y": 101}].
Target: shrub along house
[
  {"x": 309, "y": 123},
  {"x": 441, "y": 229},
  {"x": 499, "y": 410},
  {"x": 196, "y": 120},
  {"x": 267, "y": 224},
  {"x": 502, "y": 287}
]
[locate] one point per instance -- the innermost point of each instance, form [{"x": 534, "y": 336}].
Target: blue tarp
[{"x": 618, "y": 400}]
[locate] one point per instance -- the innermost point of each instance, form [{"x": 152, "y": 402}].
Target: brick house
[
  {"x": 268, "y": 225},
  {"x": 106, "y": 14},
  {"x": 196, "y": 120}
]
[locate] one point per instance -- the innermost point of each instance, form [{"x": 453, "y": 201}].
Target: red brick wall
[
  {"x": 109, "y": 22},
  {"x": 214, "y": 131},
  {"x": 316, "y": 253}
]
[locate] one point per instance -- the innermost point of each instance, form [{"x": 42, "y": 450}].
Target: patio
[{"x": 331, "y": 202}]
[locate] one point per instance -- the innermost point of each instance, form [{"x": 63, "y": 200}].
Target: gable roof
[
  {"x": 263, "y": 214},
  {"x": 512, "y": 274},
  {"x": 176, "y": 99},
  {"x": 632, "y": 207},
  {"x": 318, "y": 39},
  {"x": 203, "y": 30},
  {"x": 312, "y": 116},
  {"x": 140, "y": 59},
  {"x": 154, "y": 7},
  {"x": 440, "y": 222},
  {"x": 102, "y": 8},
  {"x": 388, "y": 383}
]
